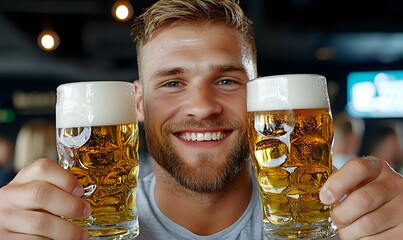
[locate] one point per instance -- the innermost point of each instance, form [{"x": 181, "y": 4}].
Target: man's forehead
[{"x": 198, "y": 39}]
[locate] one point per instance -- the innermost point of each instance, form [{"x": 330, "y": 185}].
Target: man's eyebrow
[
  {"x": 167, "y": 72},
  {"x": 180, "y": 70},
  {"x": 227, "y": 68}
]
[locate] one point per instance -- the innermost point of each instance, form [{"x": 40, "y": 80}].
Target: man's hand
[
  {"x": 373, "y": 208},
  {"x": 31, "y": 204}
]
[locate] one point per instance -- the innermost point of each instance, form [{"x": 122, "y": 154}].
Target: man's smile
[{"x": 202, "y": 136}]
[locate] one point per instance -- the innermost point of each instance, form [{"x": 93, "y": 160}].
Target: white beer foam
[
  {"x": 95, "y": 103},
  {"x": 288, "y": 91}
]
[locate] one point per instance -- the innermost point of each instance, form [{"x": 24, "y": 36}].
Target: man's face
[{"x": 194, "y": 109}]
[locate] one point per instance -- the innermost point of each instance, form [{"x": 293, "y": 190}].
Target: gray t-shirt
[{"x": 154, "y": 225}]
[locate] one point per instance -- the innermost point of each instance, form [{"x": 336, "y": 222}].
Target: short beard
[{"x": 204, "y": 177}]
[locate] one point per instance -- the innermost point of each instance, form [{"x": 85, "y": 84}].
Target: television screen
[{"x": 377, "y": 94}]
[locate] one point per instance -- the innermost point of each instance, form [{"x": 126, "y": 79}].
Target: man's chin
[{"x": 201, "y": 179}]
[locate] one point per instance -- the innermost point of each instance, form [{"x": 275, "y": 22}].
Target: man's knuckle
[{"x": 39, "y": 192}]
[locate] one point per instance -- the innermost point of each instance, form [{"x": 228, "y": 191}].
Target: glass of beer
[
  {"x": 290, "y": 139},
  {"x": 97, "y": 141}
]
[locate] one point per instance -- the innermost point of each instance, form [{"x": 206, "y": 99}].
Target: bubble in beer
[
  {"x": 116, "y": 179},
  {"x": 278, "y": 209},
  {"x": 310, "y": 148},
  {"x": 273, "y": 180},
  {"x": 310, "y": 178},
  {"x": 100, "y": 153},
  {"x": 277, "y": 123},
  {"x": 306, "y": 125},
  {"x": 312, "y": 209},
  {"x": 86, "y": 179},
  {"x": 271, "y": 152}
]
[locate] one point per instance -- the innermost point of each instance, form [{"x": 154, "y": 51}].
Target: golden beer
[
  {"x": 97, "y": 141},
  {"x": 107, "y": 167},
  {"x": 291, "y": 154}
]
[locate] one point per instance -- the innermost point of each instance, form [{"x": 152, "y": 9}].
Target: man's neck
[{"x": 203, "y": 213}]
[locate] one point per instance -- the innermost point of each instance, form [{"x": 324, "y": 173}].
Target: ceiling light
[
  {"x": 122, "y": 10},
  {"x": 48, "y": 40}
]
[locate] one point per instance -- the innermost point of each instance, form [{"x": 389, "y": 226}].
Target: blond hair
[
  {"x": 35, "y": 139},
  {"x": 171, "y": 12}
]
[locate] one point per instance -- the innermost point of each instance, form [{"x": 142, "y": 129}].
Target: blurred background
[{"x": 357, "y": 45}]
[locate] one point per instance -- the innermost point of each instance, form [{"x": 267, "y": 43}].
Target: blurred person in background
[
  {"x": 348, "y": 134},
  {"x": 7, "y": 172},
  {"x": 385, "y": 144},
  {"x": 36, "y": 139}
]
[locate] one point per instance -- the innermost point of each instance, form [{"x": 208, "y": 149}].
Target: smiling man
[{"x": 192, "y": 101}]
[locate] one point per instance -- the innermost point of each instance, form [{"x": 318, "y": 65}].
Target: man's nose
[{"x": 203, "y": 102}]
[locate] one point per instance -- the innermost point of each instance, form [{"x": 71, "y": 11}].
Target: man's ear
[{"x": 138, "y": 95}]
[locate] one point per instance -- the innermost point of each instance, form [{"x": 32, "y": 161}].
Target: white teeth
[
  {"x": 207, "y": 136},
  {"x": 214, "y": 136},
  {"x": 200, "y": 137}
]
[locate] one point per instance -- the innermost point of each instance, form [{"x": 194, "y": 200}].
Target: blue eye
[
  {"x": 226, "y": 82},
  {"x": 173, "y": 84}
]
